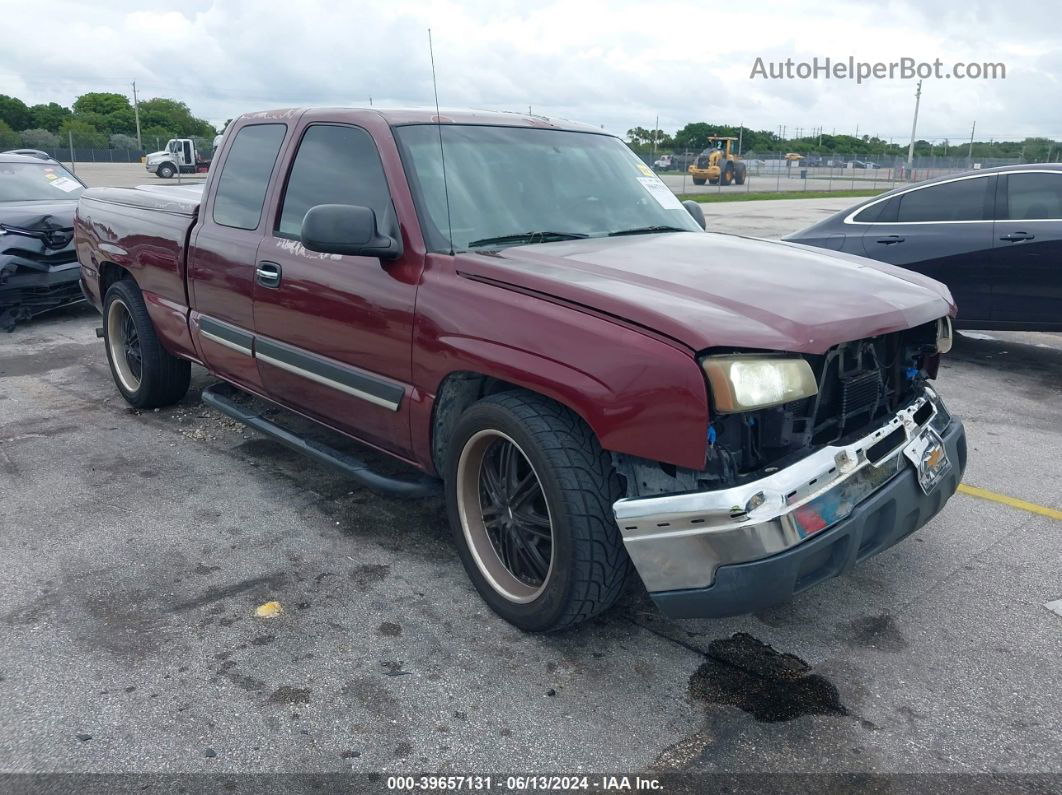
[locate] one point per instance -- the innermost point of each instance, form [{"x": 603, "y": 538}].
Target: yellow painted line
[{"x": 1013, "y": 502}]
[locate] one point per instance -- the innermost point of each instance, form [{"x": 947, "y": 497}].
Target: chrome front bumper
[{"x": 679, "y": 541}]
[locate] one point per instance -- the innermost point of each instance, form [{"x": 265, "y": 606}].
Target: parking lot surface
[
  {"x": 125, "y": 175},
  {"x": 137, "y": 546},
  {"x": 131, "y": 174}
]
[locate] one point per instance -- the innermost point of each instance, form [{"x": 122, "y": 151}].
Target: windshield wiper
[
  {"x": 527, "y": 237},
  {"x": 647, "y": 230}
]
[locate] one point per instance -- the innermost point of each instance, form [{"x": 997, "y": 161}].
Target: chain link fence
[
  {"x": 778, "y": 172},
  {"x": 89, "y": 155}
]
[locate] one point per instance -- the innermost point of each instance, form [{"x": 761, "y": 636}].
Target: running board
[{"x": 423, "y": 486}]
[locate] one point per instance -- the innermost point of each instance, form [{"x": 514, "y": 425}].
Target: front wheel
[
  {"x": 165, "y": 171},
  {"x": 529, "y": 494},
  {"x": 146, "y": 374}
]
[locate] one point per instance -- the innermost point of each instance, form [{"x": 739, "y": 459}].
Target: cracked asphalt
[{"x": 136, "y": 548}]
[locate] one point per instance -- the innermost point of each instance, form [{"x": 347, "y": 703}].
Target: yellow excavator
[{"x": 718, "y": 165}]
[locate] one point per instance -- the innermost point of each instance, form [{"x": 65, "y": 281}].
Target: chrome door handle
[
  {"x": 1016, "y": 236},
  {"x": 268, "y": 274}
]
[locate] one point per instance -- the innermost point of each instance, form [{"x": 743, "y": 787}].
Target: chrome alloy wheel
[
  {"x": 124, "y": 344},
  {"x": 505, "y": 516}
]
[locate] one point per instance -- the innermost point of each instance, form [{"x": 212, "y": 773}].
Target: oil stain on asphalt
[{"x": 771, "y": 686}]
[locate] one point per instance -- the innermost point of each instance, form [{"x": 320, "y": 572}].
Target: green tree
[
  {"x": 8, "y": 138},
  {"x": 175, "y": 116},
  {"x": 39, "y": 139},
  {"x": 156, "y": 136},
  {"x": 122, "y": 141},
  {"x": 84, "y": 134},
  {"x": 49, "y": 117},
  {"x": 641, "y": 138},
  {"x": 14, "y": 113},
  {"x": 120, "y": 121},
  {"x": 102, "y": 102}
]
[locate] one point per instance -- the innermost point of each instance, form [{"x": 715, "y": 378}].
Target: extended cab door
[
  {"x": 334, "y": 332},
  {"x": 221, "y": 259},
  {"x": 943, "y": 230},
  {"x": 1027, "y": 260}
]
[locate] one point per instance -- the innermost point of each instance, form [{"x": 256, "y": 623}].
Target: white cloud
[{"x": 615, "y": 64}]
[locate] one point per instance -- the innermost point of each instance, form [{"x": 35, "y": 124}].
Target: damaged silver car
[{"x": 38, "y": 265}]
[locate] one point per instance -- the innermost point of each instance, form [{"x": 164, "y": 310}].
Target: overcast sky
[{"x": 615, "y": 64}]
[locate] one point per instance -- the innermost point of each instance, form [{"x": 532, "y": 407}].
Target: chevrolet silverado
[{"x": 522, "y": 311}]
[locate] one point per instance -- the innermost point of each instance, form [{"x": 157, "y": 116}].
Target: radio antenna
[{"x": 442, "y": 151}]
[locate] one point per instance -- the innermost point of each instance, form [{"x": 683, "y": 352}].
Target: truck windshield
[
  {"x": 516, "y": 186},
  {"x": 27, "y": 182}
]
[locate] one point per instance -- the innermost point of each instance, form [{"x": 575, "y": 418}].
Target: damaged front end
[
  {"x": 793, "y": 494},
  {"x": 38, "y": 264},
  {"x": 859, "y": 385}
]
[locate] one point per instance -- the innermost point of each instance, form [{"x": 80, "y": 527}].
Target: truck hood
[{"x": 709, "y": 290}]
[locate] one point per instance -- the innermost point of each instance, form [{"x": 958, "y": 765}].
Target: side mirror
[
  {"x": 695, "y": 209},
  {"x": 347, "y": 229}
]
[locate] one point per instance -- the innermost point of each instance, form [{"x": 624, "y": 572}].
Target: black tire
[
  {"x": 588, "y": 564},
  {"x": 726, "y": 173},
  {"x": 166, "y": 171},
  {"x": 698, "y": 180},
  {"x": 161, "y": 379},
  {"x": 740, "y": 173}
]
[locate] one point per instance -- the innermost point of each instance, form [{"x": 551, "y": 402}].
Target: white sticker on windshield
[
  {"x": 66, "y": 184},
  {"x": 661, "y": 192}
]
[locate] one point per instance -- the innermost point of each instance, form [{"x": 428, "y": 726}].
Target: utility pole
[
  {"x": 656, "y": 126},
  {"x": 741, "y": 133},
  {"x": 136, "y": 113},
  {"x": 970, "y": 155},
  {"x": 914, "y": 125}
]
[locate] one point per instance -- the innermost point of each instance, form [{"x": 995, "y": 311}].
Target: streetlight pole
[
  {"x": 914, "y": 126},
  {"x": 136, "y": 113}
]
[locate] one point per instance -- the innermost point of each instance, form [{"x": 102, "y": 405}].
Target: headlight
[
  {"x": 743, "y": 382},
  {"x": 945, "y": 335}
]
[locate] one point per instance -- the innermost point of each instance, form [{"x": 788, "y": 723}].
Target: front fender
[{"x": 641, "y": 395}]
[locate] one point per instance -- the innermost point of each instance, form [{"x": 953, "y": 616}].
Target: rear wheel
[
  {"x": 529, "y": 493},
  {"x": 145, "y": 373},
  {"x": 740, "y": 173}
]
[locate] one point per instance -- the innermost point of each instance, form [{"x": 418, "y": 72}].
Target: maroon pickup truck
[{"x": 522, "y": 311}]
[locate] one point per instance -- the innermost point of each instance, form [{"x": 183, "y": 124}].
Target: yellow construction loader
[{"x": 718, "y": 165}]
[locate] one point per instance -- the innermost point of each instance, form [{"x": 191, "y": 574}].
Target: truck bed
[{"x": 144, "y": 230}]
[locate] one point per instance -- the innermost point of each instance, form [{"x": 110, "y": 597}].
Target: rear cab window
[
  {"x": 334, "y": 164},
  {"x": 245, "y": 175}
]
